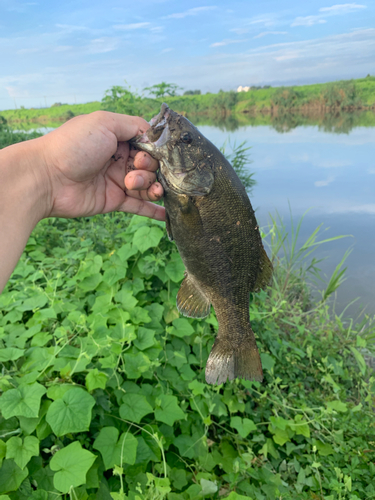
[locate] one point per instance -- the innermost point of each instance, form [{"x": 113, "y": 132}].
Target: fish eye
[{"x": 186, "y": 137}]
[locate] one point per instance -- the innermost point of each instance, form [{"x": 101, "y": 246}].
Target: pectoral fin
[{"x": 191, "y": 301}]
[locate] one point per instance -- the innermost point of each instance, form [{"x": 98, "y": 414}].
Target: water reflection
[{"x": 337, "y": 123}]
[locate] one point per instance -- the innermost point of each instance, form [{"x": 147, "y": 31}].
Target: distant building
[{"x": 243, "y": 89}]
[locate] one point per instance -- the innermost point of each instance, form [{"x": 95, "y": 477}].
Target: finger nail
[{"x": 138, "y": 182}]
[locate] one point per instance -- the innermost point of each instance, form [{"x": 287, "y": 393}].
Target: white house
[{"x": 243, "y": 89}]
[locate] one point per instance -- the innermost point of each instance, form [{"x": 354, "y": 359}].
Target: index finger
[{"x": 124, "y": 126}]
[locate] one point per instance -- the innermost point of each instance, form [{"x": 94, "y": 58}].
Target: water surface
[{"x": 333, "y": 175}]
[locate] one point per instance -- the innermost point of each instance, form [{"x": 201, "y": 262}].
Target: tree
[
  {"x": 121, "y": 100},
  {"x": 163, "y": 89},
  {"x": 192, "y": 92}
]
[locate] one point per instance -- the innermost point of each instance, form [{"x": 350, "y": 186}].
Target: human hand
[{"x": 86, "y": 161}]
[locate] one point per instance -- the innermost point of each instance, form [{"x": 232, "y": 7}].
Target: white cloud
[
  {"x": 133, "y": 26},
  {"x": 164, "y": 51},
  {"x": 190, "y": 12},
  {"x": 69, "y": 28},
  {"x": 371, "y": 170},
  {"x": 335, "y": 10},
  {"x": 342, "y": 8},
  {"x": 226, "y": 42},
  {"x": 324, "y": 183},
  {"x": 157, "y": 29},
  {"x": 102, "y": 45},
  {"x": 28, "y": 51},
  {"x": 367, "y": 208},
  {"x": 264, "y": 33},
  {"x": 308, "y": 21},
  {"x": 288, "y": 55},
  {"x": 63, "y": 48}
]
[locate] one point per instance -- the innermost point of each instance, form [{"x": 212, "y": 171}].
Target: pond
[{"x": 330, "y": 174}]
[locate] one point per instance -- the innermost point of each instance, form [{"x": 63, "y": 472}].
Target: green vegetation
[
  {"x": 163, "y": 89},
  {"x": 8, "y": 137},
  {"x": 279, "y": 101},
  {"x": 103, "y": 391},
  {"x": 103, "y": 381}
]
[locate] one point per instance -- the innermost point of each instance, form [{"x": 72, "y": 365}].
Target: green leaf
[
  {"x": 175, "y": 268},
  {"x": 11, "y": 476},
  {"x": 360, "y": 360},
  {"x": 197, "y": 387},
  {"x": 169, "y": 411},
  {"x": 135, "y": 407},
  {"x": 57, "y": 391},
  {"x": 34, "y": 302},
  {"x": 126, "y": 299},
  {"x": 24, "y": 401},
  {"x": 300, "y": 426},
  {"x": 268, "y": 362},
  {"x": 3, "y": 451},
  {"x": 22, "y": 451},
  {"x": 324, "y": 449},
  {"x": 96, "y": 380},
  {"x": 139, "y": 315},
  {"x": 91, "y": 282},
  {"x": 136, "y": 364},
  {"x": 116, "y": 452},
  {"x": 181, "y": 327},
  {"x": 243, "y": 425},
  {"x": 147, "y": 237},
  {"x": 10, "y": 354},
  {"x": 71, "y": 413},
  {"x": 145, "y": 338},
  {"x": 126, "y": 251},
  {"x": 208, "y": 487},
  {"x": 236, "y": 496},
  {"x": 339, "y": 406},
  {"x": 71, "y": 465}
]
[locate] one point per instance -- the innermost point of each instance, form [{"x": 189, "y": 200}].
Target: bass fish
[{"x": 210, "y": 217}]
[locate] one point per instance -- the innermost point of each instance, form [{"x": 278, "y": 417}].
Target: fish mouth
[{"x": 157, "y": 135}]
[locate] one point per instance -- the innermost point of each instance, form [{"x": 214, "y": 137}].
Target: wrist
[{"x": 25, "y": 183}]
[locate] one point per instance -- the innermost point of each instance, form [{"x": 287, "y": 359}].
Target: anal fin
[{"x": 191, "y": 301}]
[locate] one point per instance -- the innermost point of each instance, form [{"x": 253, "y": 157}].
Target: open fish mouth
[{"x": 157, "y": 135}]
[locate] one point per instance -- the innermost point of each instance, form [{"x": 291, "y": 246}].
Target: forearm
[{"x": 23, "y": 201}]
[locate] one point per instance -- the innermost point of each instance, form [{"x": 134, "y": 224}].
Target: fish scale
[{"x": 210, "y": 217}]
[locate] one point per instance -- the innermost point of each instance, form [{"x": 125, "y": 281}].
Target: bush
[
  {"x": 341, "y": 95},
  {"x": 8, "y": 137},
  {"x": 286, "y": 97}
]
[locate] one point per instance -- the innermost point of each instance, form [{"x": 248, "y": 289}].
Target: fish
[{"x": 211, "y": 220}]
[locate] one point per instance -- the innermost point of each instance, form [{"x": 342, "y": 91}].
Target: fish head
[{"x": 183, "y": 153}]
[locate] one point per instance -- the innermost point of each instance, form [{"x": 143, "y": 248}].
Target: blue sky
[{"x": 72, "y": 51}]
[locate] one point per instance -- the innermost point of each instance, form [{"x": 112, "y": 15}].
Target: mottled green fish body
[{"x": 210, "y": 217}]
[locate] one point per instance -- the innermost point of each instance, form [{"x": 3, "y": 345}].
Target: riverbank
[{"x": 317, "y": 99}]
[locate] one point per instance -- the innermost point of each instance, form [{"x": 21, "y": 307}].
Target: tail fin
[{"x": 232, "y": 358}]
